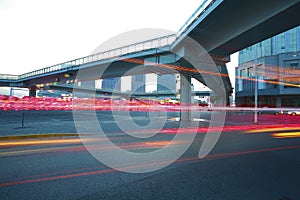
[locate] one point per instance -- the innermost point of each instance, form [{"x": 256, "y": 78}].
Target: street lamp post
[
  {"x": 255, "y": 93},
  {"x": 256, "y": 87},
  {"x": 256, "y": 81}
]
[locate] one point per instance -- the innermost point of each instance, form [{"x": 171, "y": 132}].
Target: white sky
[{"x": 40, "y": 33}]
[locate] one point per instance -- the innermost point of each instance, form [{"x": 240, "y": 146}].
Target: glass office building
[
  {"x": 138, "y": 83},
  {"x": 275, "y": 64},
  {"x": 166, "y": 83},
  {"x": 111, "y": 84}
]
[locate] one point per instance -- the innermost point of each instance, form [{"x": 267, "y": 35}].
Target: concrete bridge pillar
[
  {"x": 185, "y": 97},
  {"x": 278, "y": 102},
  {"x": 32, "y": 92},
  {"x": 222, "y": 68}
]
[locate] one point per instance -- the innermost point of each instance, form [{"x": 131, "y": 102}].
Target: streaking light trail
[{"x": 103, "y": 171}]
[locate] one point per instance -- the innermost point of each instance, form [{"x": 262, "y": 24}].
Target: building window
[
  {"x": 293, "y": 64},
  {"x": 272, "y": 84},
  {"x": 251, "y": 72},
  {"x": 281, "y": 43},
  {"x": 243, "y": 73},
  {"x": 291, "y": 82},
  {"x": 293, "y": 40}
]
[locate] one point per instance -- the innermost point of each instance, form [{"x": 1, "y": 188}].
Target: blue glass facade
[
  {"x": 276, "y": 62},
  {"x": 138, "y": 83},
  {"x": 111, "y": 84},
  {"x": 166, "y": 83}
]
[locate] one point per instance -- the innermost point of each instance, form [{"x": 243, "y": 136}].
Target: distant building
[
  {"x": 53, "y": 93},
  {"x": 166, "y": 83},
  {"x": 111, "y": 84},
  {"x": 89, "y": 85},
  {"x": 138, "y": 83},
  {"x": 277, "y": 62},
  {"x": 86, "y": 84}
]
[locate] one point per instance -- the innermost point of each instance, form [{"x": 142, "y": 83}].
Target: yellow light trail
[
  {"x": 286, "y": 135},
  {"x": 130, "y": 165},
  {"x": 44, "y": 142},
  {"x": 273, "y": 129}
]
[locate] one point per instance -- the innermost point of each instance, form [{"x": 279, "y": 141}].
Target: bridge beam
[{"x": 185, "y": 96}]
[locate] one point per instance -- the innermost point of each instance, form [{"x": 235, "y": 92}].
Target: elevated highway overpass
[
  {"x": 111, "y": 93},
  {"x": 221, "y": 27}
]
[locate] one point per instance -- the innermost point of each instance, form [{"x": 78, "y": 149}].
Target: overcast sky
[{"x": 40, "y": 33}]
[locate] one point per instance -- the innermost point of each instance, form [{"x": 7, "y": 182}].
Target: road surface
[{"x": 246, "y": 163}]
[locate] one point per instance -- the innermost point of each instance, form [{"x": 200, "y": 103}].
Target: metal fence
[{"x": 8, "y": 77}]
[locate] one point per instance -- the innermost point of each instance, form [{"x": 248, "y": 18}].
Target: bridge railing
[
  {"x": 155, "y": 43},
  {"x": 200, "y": 10},
  {"x": 8, "y": 77},
  {"x": 160, "y": 42}
]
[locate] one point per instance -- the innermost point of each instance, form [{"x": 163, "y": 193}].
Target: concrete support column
[
  {"x": 185, "y": 96},
  {"x": 222, "y": 68},
  {"x": 227, "y": 100},
  {"x": 11, "y": 92},
  {"x": 32, "y": 92},
  {"x": 278, "y": 102}
]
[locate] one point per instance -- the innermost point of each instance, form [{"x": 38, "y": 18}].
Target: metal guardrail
[
  {"x": 199, "y": 11},
  {"x": 9, "y": 77},
  {"x": 161, "y": 42}
]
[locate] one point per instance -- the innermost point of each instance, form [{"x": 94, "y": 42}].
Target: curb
[{"x": 30, "y": 136}]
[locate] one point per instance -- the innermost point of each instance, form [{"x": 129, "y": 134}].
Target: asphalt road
[{"x": 248, "y": 161}]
